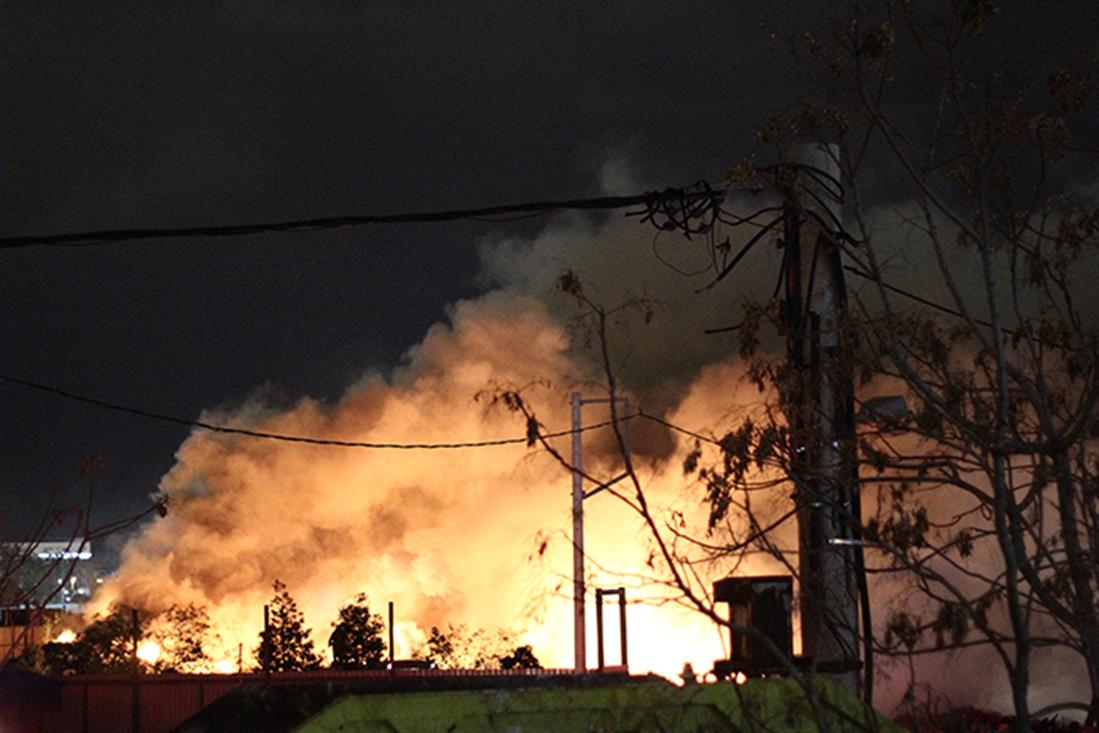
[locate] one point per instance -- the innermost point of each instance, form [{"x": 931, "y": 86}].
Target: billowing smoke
[
  {"x": 479, "y": 535},
  {"x": 476, "y": 536}
]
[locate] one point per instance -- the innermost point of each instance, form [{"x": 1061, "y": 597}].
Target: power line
[
  {"x": 652, "y": 201},
  {"x": 892, "y": 288},
  {"x": 920, "y": 299},
  {"x": 672, "y": 426},
  {"x": 390, "y": 445},
  {"x": 227, "y": 429}
]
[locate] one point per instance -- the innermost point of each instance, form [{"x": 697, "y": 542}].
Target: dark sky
[{"x": 170, "y": 114}]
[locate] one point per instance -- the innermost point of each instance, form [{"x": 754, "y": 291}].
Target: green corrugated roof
[{"x": 760, "y": 706}]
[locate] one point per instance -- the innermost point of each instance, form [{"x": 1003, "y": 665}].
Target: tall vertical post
[
  {"x": 135, "y": 710},
  {"x": 622, "y": 639},
  {"x": 578, "y": 591},
  {"x": 265, "y": 646},
  {"x": 392, "y": 656},
  {"x": 602, "y": 657},
  {"x": 821, "y": 420}
]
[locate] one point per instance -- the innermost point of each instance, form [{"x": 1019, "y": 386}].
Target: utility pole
[
  {"x": 579, "y": 590},
  {"x": 821, "y": 414}
]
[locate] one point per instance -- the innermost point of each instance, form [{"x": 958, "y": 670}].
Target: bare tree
[
  {"x": 1000, "y": 366},
  {"x": 33, "y": 579},
  {"x": 982, "y": 489}
]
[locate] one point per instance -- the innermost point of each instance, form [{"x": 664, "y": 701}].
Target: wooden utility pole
[{"x": 820, "y": 413}]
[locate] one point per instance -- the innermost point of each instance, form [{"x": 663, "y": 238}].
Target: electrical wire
[
  {"x": 677, "y": 428},
  {"x": 919, "y": 299},
  {"x": 652, "y": 201},
  {"x": 391, "y": 445},
  {"x": 247, "y": 432}
]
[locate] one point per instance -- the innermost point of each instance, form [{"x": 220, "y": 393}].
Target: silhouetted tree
[
  {"x": 32, "y": 580},
  {"x": 459, "y": 648},
  {"x": 184, "y": 635},
  {"x": 285, "y": 645},
  {"x": 357, "y": 639},
  {"x": 106, "y": 645},
  {"x": 522, "y": 658},
  {"x": 981, "y": 488},
  {"x": 441, "y": 646}
]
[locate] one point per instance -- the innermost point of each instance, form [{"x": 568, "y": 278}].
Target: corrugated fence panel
[
  {"x": 71, "y": 715},
  {"x": 104, "y": 703},
  {"x": 164, "y": 706},
  {"x": 110, "y": 706}
]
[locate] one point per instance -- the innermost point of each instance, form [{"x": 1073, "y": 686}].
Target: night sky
[{"x": 168, "y": 114}]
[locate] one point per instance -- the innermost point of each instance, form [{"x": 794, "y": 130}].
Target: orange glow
[
  {"x": 148, "y": 652},
  {"x": 67, "y": 636},
  {"x": 476, "y": 537}
]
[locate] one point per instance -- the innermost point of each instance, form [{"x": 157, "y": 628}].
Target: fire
[
  {"x": 477, "y": 537},
  {"x": 148, "y": 651},
  {"x": 67, "y": 636}
]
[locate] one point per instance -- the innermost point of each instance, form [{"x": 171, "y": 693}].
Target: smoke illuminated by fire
[{"x": 476, "y": 536}]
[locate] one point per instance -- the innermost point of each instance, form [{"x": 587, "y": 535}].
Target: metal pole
[
  {"x": 265, "y": 648},
  {"x": 135, "y": 635},
  {"x": 580, "y": 643},
  {"x": 135, "y": 722},
  {"x": 622, "y": 625},
  {"x": 599, "y": 627},
  {"x": 391, "y": 634}
]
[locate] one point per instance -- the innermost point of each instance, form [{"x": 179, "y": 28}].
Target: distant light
[{"x": 64, "y": 555}]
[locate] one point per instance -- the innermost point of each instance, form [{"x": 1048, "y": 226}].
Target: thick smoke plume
[
  {"x": 471, "y": 536},
  {"x": 476, "y": 536},
  {"x": 479, "y": 536}
]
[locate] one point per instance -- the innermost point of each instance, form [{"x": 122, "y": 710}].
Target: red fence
[{"x": 112, "y": 703}]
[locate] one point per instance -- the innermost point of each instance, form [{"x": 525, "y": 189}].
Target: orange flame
[
  {"x": 67, "y": 636},
  {"x": 450, "y": 536}
]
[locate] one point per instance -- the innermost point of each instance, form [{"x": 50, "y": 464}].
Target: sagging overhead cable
[{"x": 653, "y": 202}]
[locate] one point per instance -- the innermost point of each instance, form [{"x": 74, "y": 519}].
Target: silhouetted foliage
[
  {"x": 972, "y": 478},
  {"x": 521, "y": 658},
  {"x": 106, "y": 645},
  {"x": 459, "y": 648},
  {"x": 184, "y": 634},
  {"x": 285, "y": 645},
  {"x": 357, "y": 639}
]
